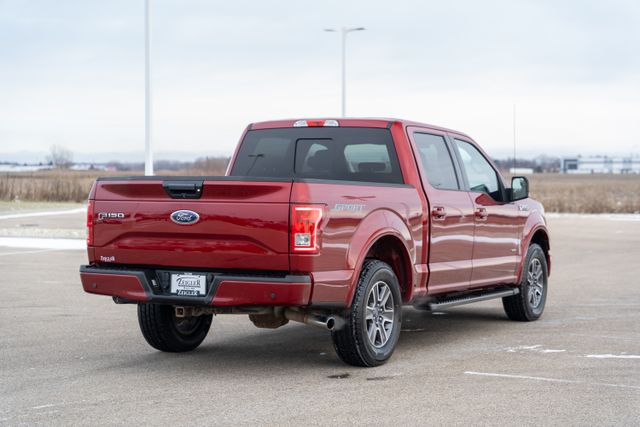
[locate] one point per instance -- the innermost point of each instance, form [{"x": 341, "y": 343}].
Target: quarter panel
[{"x": 355, "y": 216}]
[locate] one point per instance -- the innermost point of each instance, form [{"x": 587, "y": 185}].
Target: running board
[{"x": 469, "y": 298}]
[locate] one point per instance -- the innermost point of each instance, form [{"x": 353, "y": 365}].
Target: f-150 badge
[{"x": 110, "y": 215}]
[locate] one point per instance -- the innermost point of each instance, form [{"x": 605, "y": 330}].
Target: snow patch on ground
[
  {"x": 608, "y": 217},
  {"x": 57, "y": 233},
  {"x": 38, "y": 243},
  {"x": 43, "y": 213}
]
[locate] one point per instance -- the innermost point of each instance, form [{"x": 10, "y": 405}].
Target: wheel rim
[
  {"x": 535, "y": 282},
  {"x": 379, "y": 314}
]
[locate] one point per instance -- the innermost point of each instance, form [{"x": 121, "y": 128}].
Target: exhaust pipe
[{"x": 328, "y": 323}]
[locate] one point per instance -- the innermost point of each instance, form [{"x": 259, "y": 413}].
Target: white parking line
[
  {"x": 613, "y": 356},
  {"x": 553, "y": 380},
  {"x": 45, "y": 213},
  {"x": 27, "y": 252}
]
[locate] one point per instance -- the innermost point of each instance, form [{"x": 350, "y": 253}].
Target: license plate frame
[{"x": 188, "y": 284}]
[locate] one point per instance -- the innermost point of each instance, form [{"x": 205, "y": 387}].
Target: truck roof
[{"x": 375, "y": 122}]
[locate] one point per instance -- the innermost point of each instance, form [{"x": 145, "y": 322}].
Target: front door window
[{"x": 481, "y": 175}]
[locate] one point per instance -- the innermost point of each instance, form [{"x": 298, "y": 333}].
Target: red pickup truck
[{"x": 335, "y": 223}]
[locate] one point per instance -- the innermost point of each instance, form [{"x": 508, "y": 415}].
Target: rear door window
[
  {"x": 436, "y": 161},
  {"x": 345, "y": 154}
]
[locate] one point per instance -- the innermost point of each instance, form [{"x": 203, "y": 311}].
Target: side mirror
[{"x": 519, "y": 188}]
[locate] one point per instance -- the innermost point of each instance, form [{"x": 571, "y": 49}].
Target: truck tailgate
[{"x": 241, "y": 225}]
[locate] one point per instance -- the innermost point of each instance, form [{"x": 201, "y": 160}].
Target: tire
[
  {"x": 377, "y": 294},
  {"x": 164, "y": 332},
  {"x": 529, "y": 303}
]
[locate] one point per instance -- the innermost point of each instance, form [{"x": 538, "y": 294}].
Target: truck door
[
  {"x": 497, "y": 230},
  {"x": 451, "y": 220}
]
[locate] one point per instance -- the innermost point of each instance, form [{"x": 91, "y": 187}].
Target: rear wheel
[
  {"x": 372, "y": 326},
  {"x": 166, "y": 332},
  {"x": 529, "y": 304}
]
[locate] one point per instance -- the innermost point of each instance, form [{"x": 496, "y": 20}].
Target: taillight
[
  {"x": 305, "y": 221},
  {"x": 90, "y": 223}
]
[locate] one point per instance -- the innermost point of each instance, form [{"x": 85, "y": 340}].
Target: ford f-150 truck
[{"x": 335, "y": 223}]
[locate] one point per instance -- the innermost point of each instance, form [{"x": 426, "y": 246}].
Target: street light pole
[
  {"x": 344, "y": 72},
  {"x": 515, "y": 165},
  {"x": 343, "y": 32},
  {"x": 148, "y": 155}
]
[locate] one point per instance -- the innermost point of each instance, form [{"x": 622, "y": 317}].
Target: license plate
[{"x": 187, "y": 284}]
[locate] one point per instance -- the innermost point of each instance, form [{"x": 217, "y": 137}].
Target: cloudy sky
[{"x": 72, "y": 72}]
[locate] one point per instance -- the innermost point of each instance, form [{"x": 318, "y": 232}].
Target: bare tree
[{"x": 60, "y": 157}]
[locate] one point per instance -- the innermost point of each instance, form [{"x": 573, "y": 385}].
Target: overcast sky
[{"x": 72, "y": 72}]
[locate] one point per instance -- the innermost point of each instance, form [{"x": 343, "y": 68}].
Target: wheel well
[
  {"x": 542, "y": 239},
  {"x": 390, "y": 249}
]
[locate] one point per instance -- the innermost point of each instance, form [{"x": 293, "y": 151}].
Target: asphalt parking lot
[{"x": 71, "y": 358}]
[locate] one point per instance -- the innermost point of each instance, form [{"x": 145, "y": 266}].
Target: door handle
[
  {"x": 438, "y": 212},
  {"x": 481, "y": 213}
]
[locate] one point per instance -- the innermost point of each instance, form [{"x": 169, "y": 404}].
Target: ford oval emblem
[{"x": 185, "y": 217}]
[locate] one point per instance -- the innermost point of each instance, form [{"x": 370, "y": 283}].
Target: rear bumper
[{"x": 224, "y": 290}]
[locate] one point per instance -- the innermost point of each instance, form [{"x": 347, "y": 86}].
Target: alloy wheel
[
  {"x": 535, "y": 282},
  {"x": 379, "y": 314}
]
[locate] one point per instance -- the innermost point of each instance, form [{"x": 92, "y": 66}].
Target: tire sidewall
[
  {"x": 536, "y": 252},
  {"x": 371, "y": 354},
  {"x": 159, "y": 328}
]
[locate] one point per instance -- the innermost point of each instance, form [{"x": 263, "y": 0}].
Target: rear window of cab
[{"x": 344, "y": 154}]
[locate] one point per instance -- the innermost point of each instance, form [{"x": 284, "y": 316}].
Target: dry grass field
[
  {"x": 558, "y": 192},
  {"x": 73, "y": 186},
  {"x": 597, "y": 193},
  {"x": 50, "y": 186}
]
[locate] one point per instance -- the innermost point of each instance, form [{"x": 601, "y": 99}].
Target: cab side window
[
  {"x": 481, "y": 175},
  {"x": 436, "y": 161}
]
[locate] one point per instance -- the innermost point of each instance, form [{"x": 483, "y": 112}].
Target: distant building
[
  {"x": 602, "y": 164},
  {"x": 11, "y": 167},
  {"x": 88, "y": 167},
  {"x": 521, "y": 171}
]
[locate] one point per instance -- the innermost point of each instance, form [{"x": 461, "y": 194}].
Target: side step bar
[{"x": 469, "y": 298}]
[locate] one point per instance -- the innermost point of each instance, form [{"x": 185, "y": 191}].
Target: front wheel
[
  {"x": 166, "y": 332},
  {"x": 373, "y": 323},
  {"x": 529, "y": 304}
]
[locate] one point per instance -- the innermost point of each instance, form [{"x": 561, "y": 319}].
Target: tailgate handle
[{"x": 183, "y": 189}]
